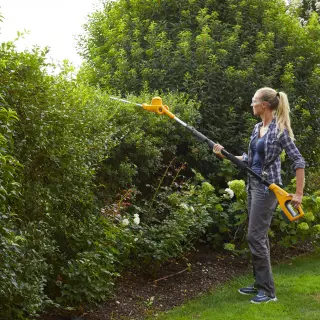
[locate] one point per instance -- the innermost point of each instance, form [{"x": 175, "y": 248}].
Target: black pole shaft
[{"x": 240, "y": 164}]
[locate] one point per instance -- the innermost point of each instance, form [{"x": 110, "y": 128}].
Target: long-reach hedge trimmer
[{"x": 283, "y": 197}]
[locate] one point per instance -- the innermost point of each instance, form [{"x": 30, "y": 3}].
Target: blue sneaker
[
  {"x": 261, "y": 297},
  {"x": 248, "y": 290}
]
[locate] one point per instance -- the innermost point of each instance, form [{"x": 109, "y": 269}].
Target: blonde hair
[{"x": 278, "y": 102}]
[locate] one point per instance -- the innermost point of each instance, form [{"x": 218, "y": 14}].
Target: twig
[
  {"x": 171, "y": 275},
  {"x": 161, "y": 180}
]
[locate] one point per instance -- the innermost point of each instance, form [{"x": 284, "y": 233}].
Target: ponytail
[
  {"x": 282, "y": 114},
  {"x": 278, "y": 102}
]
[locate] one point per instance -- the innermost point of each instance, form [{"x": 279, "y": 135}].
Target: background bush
[{"x": 219, "y": 52}]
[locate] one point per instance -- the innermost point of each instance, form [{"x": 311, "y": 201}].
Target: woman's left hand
[{"x": 296, "y": 200}]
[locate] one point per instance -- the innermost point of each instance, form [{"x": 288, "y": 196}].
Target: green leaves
[
  {"x": 48, "y": 162},
  {"x": 219, "y": 53}
]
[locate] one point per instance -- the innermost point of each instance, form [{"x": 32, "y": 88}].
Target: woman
[{"x": 268, "y": 139}]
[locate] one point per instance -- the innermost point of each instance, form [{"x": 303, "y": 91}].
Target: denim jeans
[{"x": 261, "y": 205}]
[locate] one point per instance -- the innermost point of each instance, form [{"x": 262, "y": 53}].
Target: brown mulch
[{"x": 142, "y": 294}]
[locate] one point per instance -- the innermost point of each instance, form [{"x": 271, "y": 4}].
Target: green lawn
[{"x": 298, "y": 292}]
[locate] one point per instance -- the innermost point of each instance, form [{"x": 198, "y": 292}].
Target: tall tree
[{"x": 218, "y": 51}]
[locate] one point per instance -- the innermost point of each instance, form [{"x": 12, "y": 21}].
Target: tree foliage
[{"x": 219, "y": 52}]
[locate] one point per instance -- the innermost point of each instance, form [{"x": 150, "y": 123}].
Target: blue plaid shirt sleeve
[
  {"x": 244, "y": 157},
  {"x": 292, "y": 151}
]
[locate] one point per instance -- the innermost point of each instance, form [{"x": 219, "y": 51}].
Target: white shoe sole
[{"x": 271, "y": 300}]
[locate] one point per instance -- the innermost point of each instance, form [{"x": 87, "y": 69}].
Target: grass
[{"x": 298, "y": 292}]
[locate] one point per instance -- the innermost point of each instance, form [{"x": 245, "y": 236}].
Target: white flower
[
  {"x": 184, "y": 206},
  {"x": 125, "y": 222},
  {"x": 136, "y": 218},
  {"x": 229, "y": 193},
  {"x": 135, "y": 239}
]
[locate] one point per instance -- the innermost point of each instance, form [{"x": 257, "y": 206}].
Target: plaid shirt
[{"x": 272, "y": 149}]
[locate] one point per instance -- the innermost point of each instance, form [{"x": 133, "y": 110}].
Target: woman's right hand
[{"x": 217, "y": 150}]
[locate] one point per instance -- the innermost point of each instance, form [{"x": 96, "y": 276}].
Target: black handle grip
[{"x": 210, "y": 143}]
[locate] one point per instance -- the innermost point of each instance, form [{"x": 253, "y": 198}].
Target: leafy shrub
[
  {"x": 192, "y": 211},
  {"x": 59, "y": 142},
  {"x": 89, "y": 275},
  {"x": 23, "y": 271},
  {"x": 303, "y": 229},
  {"x": 145, "y": 142}
]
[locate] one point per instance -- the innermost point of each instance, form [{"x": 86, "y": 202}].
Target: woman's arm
[
  {"x": 297, "y": 197},
  {"x": 217, "y": 150},
  {"x": 298, "y": 164}
]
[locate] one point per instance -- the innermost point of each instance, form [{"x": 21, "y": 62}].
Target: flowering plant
[{"x": 229, "y": 194}]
